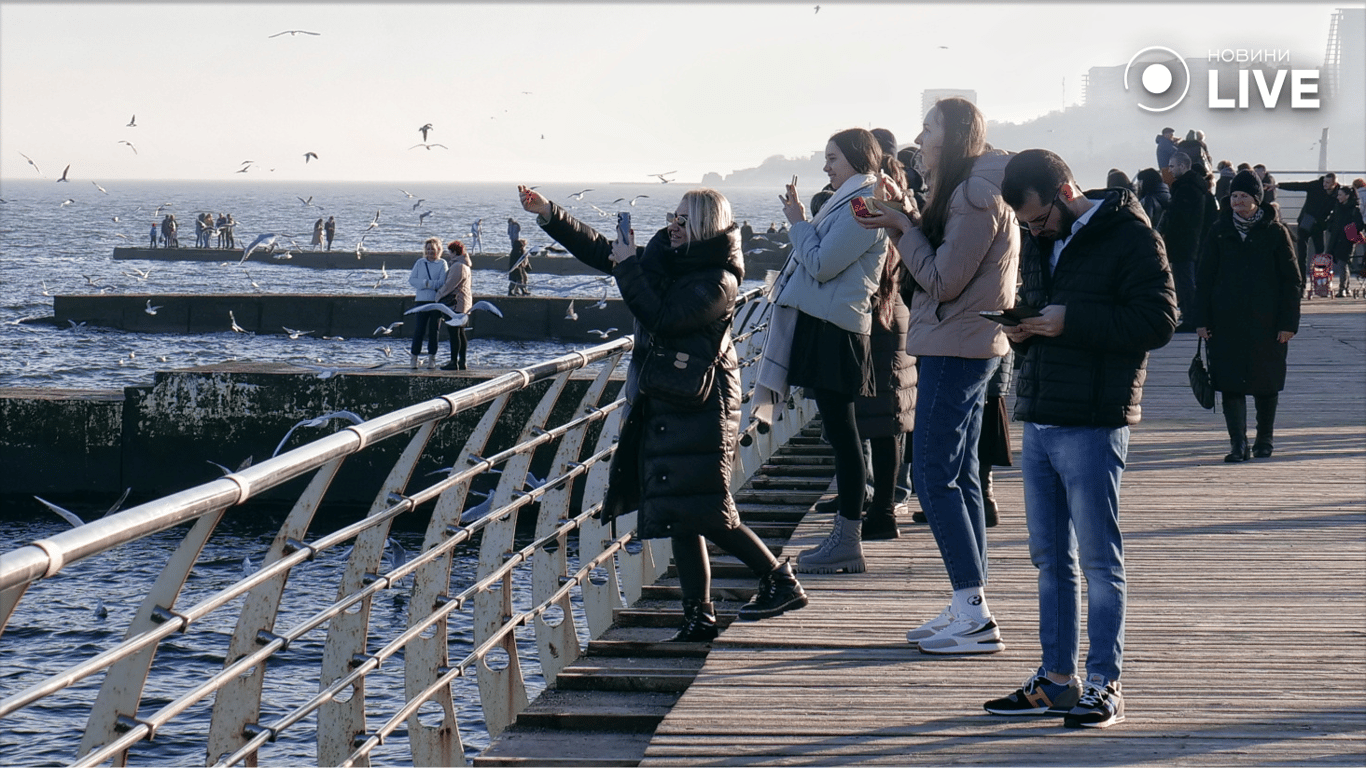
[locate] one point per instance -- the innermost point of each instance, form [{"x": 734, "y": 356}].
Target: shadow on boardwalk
[{"x": 1246, "y": 636}]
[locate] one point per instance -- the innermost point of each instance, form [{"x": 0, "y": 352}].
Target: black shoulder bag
[
  {"x": 1199, "y": 378},
  {"x": 677, "y": 378}
]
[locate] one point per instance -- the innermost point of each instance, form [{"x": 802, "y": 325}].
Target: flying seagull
[
  {"x": 386, "y": 330},
  {"x": 130, "y": 146},
  {"x": 661, "y": 176},
  {"x": 232, "y": 320},
  {"x": 97, "y": 186},
  {"x": 262, "y": 241},
  {"x": 307, "y": 155},
  {"x": 424, "y": 130},
  {"x": 66, "y": 514},
  {"x": 373, "y": 222},
  {"x": 422, "y": 217},
  {"x": 601, "y": 334},
  {"x": 30, "y": 162},
  {"x": 293, "y": 32},
  {"x": 419, "y": 203},
  {"x": 64, "y": 170},
  {"x": 429, "y": 146},
  {"x": 293, "y": 334},
  {"x": 579, "y": 195},
  {"x": 132, "y": 122},
  {"x": 569, "y": 314},
  {"x": 325, "y": 372},
  {"x": 151, "y": 310},
  {"x": 456, "y": 319},
  {"x": 318, "y": 422}
]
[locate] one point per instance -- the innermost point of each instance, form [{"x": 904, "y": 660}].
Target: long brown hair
[{"x": 965, "y": 139}]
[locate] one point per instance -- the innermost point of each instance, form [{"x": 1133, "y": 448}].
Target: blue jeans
[
  {"x": 948, "y": 423},
  {"x": 1071, "y": 492}
]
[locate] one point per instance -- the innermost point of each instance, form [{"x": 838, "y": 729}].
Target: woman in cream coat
[
  {"x": 835, "y": 267},
  {"x": 963, "y": 256}
]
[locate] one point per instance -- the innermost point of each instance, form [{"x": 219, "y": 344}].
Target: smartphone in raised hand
[{"x": 624, "y": 226}]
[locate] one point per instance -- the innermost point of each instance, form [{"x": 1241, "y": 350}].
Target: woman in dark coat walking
[
  {"x": 1347, "y": 210},
  {"x": 673, "y": 463},
  {"x": 1248, "y": 308}
]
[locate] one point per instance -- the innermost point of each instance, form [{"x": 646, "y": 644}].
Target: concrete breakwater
[
  {"x": 160, "y": 439},
  {"x": 763, "y": 252},
  {"x": 525, "y": 318}
]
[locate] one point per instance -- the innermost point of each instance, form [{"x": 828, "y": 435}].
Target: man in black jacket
[
  {"x": 1320, "y": 195},
  {"x": 1098, "y": 275},
  {"x": 1189, "y": 217}
]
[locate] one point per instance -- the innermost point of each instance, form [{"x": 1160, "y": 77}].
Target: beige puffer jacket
[{"x": 975, "y": 268}]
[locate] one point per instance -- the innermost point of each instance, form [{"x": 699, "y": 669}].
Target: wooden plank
[{"x": 1246, "y": 630}]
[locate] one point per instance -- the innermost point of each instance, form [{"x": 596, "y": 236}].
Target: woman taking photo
[
  {"x": 1248, "y": 309},
  {"x": 428, "y": 275},
  {"x": 829, "y": 280},
  {"x": 963, "y": 255},
  {"x": 673, "y": 461}
]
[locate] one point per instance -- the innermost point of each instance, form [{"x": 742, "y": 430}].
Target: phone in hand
[
  {"x": 1010, "y": 317},
  {"x": 624, "y": 226}
]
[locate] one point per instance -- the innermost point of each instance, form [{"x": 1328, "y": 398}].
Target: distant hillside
[{"x": 775, "y": 170}]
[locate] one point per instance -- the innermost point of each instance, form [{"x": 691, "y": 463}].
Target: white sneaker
[
  {"x": 931, "y": 627},
  {"x": 431, "y": 362},
  {"x": 965, "y": 635}
]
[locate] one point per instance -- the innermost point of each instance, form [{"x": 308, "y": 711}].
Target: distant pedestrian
[
  {"x": 330, "y": 230},
  {"x": 1224, "y": 176},
  {"x": 228, "y": 232},
  {"x": 1268, "y": 186},
  {"x": 514, "y": 231},
  {"x": 1154, "y": 194},
  {"x": 477, "y": 236},
  {"x": 1320, "y": 195},
  {"x": 317, "y": 232},
  {"x": 427, "y": 277},
  {"x": 456, "y": 292},
  {"x": 1166, "y": 145},
  {"x": 1346, "y": 213},
  {"x": 519, "y": 269},
  {"x": 155, "y": 230},
  {"x": 746, "y": 235},
  {"x": 222, "y": 227},
  {"x": 1190, "y": 216}
]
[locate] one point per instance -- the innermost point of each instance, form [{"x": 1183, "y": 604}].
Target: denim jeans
[
  {"x": 948, "y": 423},
  {"x": 1071, "y": 491}
]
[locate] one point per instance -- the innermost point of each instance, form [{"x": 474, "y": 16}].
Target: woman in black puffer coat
[
  {"x": 674, "y": 463},
  {"x": 1248, "y": 307}
]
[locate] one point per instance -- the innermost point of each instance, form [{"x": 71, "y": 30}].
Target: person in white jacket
[
  {"x": 427, "y": 277},
  {"x": 835, "y": 267}
]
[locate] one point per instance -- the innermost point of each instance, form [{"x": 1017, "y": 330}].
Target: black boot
[
  {"x": 1235, "y": 416},
  {"x": 778, "y": 592},
  {"x": 699, "y": 623},
  {"x": 880, "y": 524},
  {"x": 1266, "y": 422},
  {"x": 988, "y": 498}
]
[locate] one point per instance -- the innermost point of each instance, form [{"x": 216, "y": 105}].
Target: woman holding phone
[
  {"x": 829, "y": 280},
  {"x": 963, "y": 255},
  {"x": 673, "y": 462}
]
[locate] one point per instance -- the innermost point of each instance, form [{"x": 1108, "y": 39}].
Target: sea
[{"x": 59, "y": 238}]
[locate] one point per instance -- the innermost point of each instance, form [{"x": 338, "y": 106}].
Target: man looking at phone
[{"x": 1099, "y": 274}]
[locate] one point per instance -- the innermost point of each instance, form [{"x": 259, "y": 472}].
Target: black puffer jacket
[
  {"x": 892, "y": 410},
  {"x": 1247, "y": 292},
  {"x": 1189, "y": 216},
  {"x": 671, "y": 463},
  {"x": 1114, "y": 279}
]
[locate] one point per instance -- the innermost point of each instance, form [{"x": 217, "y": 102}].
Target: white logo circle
[{"x": 1161, "y": 72}]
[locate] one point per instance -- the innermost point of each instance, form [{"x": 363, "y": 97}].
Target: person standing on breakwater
[
  {"x": 428, "y": 276},
  {"x": 963, "y": 257},
  {"x": 519, "y": 269},
  {"x": 673, "y": 460},
  {"x": 317, "y": 232},
  {"x": 222, "y": 226},
  {"x": 457, "y": 293},
  {"x": 1097, "y": 273},
  {"x": 514, "y": 231}
]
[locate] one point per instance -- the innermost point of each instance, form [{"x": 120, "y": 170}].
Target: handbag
[
  {"x": 1199, "y": 378},
  {"x": 1353, "y": 235},
  {"x": 677, "y": 378}
]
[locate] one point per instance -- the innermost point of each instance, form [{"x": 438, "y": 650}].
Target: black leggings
[
  {"x": 841, "y": 430},
  {"x": 886, "y": 453},
  {"x": 427, "y": 324},
  {"x": 459, "y": 343},
  {"x": 694, "y": 567}
]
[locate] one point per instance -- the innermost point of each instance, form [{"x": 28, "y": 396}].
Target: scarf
[
  {"x": 1242, "y": 225},
  {"x": 770, "y": 381}
]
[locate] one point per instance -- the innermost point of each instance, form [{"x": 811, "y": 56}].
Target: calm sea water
[{"x": 49, "y": 248}]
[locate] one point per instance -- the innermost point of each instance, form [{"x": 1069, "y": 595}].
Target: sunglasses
[{"x": 681, "y": 219}]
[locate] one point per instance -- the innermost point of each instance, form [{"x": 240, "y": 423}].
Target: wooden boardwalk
[{"x": 1246, "y": 636}]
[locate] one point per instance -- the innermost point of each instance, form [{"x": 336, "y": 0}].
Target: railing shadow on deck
[{"x": 609, "y": 572}]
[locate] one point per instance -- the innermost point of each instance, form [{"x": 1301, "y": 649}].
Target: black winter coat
[
  {"x": 1318, "y": 202},
  {"x": 1335, "y": 240},
  {"x": 1189, "y": 217},
  {"x": 672, "y": 463},
  {"x": 1248, "y": 291},
  {"x": 1114, "y": 279},
  {"x": 892, "y": 410}
]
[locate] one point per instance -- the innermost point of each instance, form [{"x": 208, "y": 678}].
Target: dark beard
[{"x": 1065, "y": 221}]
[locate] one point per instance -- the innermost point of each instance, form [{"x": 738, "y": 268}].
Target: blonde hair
[
  {"x": 436, "y": 241},
  {"x": 709, "y": 213}
]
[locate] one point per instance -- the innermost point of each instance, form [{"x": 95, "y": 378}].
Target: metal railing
[{"x": 609, "y": 573}]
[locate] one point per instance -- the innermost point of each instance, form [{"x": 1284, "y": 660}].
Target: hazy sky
[{"x": 549, "y": 91}]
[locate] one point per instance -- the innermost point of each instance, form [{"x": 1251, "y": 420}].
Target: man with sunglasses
[{"x": 1098, "y": 274}]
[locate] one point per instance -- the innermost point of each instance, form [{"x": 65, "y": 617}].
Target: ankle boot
[
  {"x": 1235, "y": 416},
  {"x": 412, "y": 360},
  {"x": 988, "y": 497},
  {"x": 842, "y": 550},
  {"x": 699, "y": 623},
  {"x": 880, "y": 524},
  {"x": 778, "y": 592},
  {"x": 1266, "y": 422}
]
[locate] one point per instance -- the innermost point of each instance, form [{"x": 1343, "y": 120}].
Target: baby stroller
[{"x": 1321, "y": 274}]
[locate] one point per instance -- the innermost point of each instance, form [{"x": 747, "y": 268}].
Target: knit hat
[{"x": 1247, "y": 181}]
